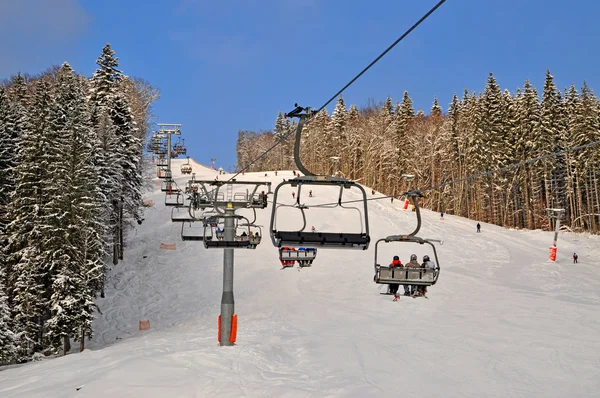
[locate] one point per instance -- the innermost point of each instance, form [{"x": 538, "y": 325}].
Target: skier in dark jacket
[{"x": 478, "y": 227}]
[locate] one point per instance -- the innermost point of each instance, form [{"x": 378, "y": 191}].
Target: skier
[
  {"x": 411, "y": 290},
  {"x": 294, "y": 195},
  {"x": 392, "y": 199},
  {"x": 478, "y": 227},
  {"x": 310, "y": 193},
  {"x": 428, "y": 265},
  {"x": 442, "y": 216},
  {"x": 372, "y": 192},
  {"x": 393, "y": 287},
  {"x": 575, "y": 257},
  {"x": 313, "y": 229},
  {"x": 275, "y": 173}
]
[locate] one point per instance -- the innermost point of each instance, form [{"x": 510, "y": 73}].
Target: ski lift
[
  {"x": 174, "y": 198},
  {"x": 303, "y": 237},
  {"x": 405, "y": 275},
  {"x": 181, "y": 214},
  {"x": 186, "y": 168},
  {"x": 192, "y": 230},
  {"x": 162, "y": 162},
  {"x": 304, "y": 256},
  {"x": 164, "y": 173},
  {"x": 247, "y": 235},
  {"x": 167, "y": 185}
]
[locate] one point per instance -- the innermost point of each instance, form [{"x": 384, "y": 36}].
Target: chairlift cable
[{"x": 413, "y": 27}]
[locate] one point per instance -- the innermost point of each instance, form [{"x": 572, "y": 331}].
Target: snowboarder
[
  {"x": 411, "y": 290},
  {"x": 575, "y": 257},
  {"x": 478, "y": 227},
  {"x": 393, "y": 287}
]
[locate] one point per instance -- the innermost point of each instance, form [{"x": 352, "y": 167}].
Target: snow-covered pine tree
[
  {"x": 546, "y": 137},
  {"x": 31, "y": 288},
  {"x": 74, "y": 249},
  {"x": 104, "y": 86},
  {"x": 354, "y": 142},
  {"x": 129, "y": 156},
  {"x": 279, "y": 132},
  {"x": 7, "y": 336},
  {"x": 339, "y": 120},
  {"x": 588, "y": 130},
  {"x": 493, "y": 138},
  {"x": 104, "y": 83},
  {"x": 110, "y": 181}
]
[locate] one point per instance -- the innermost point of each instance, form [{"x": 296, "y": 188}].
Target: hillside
[{"x": 502, "y": 320}]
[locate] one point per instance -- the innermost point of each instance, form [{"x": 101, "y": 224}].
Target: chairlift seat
[
  {"x": 359, "y": 241},
  {"x": 406, "y": 276},
  {"x": 181, "y": 214},
  {"x": 225, "y": 244},
  {"x": 302, "y": 254}
]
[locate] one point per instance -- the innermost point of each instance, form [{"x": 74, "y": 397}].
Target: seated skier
[
  {"x": 428, "y": 265},
  {"x": 411, "y": 290},
  {"x": 393, "y": 287}
]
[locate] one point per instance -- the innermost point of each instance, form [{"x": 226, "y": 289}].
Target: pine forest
[
  {"x": 465, "y": 160},
  {"x": 71, "y": 185}
]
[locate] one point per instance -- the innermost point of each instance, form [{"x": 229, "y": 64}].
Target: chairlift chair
[
  {"x": 174, "y": 197},
  {"x": 303, "y": 237},
  {"x": 181, "y": 214},
  {"x": 164, "y": 173},
  {"x": 241, "y": 240},
  {"x": 304, "y": 256},
  {"x": 405, "y": 275},
  {"x": 167, "y": 185},
  {"x": 192, "y": 230}
]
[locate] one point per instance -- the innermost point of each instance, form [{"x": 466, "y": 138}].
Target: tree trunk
[
  {"x": 82, "y": 341},
  {"x": 66, "y": 345}
]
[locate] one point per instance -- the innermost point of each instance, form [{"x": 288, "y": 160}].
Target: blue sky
[{"x": 223, "y": 66}]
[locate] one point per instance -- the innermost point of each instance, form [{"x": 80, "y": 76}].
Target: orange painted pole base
[
  {"x": 233, "y": 334},
  {"x": 552, "y": 254}
]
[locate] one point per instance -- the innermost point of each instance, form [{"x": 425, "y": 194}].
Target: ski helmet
[
  {"x": 425, "y": 258},
  {"x": 413, "y": 257},
  {"x": 396, "y": 258}
]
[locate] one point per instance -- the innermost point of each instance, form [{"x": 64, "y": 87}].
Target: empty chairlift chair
[
  {"x": 174, "y": 197},
  {"x": 181, "y": 214},
  {"x": 305, "y": 236},
  {"x": 192, "y": 230}
]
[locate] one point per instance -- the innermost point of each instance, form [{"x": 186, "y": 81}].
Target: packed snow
[{"x": 501, "y": 321}]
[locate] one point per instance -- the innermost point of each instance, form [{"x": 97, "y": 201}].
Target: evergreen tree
[
  {"x": 25, "y": 233},
  {"x": 129, "y": 157},
  {"x": 7, "y": 336},
  {"x": 74, "y": 248}
]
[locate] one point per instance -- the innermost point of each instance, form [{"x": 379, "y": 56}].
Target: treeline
[
  {"x": 482, "y": 132},
  {"x": 70, "y": 184}
]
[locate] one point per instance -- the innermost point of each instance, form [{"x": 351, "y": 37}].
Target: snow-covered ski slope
[{"x": 501, "y": 322}]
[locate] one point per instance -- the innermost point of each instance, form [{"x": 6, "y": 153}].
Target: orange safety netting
[{"x": 168, "y": 246}]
